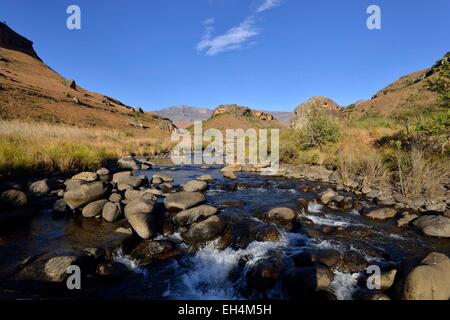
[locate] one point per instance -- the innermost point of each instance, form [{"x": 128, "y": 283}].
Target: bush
[{"x": 318, "y": 131}]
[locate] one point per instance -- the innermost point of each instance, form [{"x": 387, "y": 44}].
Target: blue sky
[{"x": 265, "y": 54}]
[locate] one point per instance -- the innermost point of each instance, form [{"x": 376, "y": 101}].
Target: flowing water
[{"x": 210, "y": 273}]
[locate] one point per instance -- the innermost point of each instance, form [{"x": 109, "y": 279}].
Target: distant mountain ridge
[{"x": 184, "y": 116}]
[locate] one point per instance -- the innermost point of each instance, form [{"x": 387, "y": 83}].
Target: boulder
[
  {"x": 115, "y": 197},
  {"x": 206, "y": 178},
  {"x": 131, "y": 195},
  {"x": 142, "y": 224},
  {"x": 280, "y": 216},
  {"x": 86, "y": 176},
  {"x": 143, "y": 205},
  {"x": 207, "y": 230},
  {"x": 382, "y": 214},
  {"x": 60, "y": 207},
  {"x": 86, "y": 193},
  {"x": 183, "y": 200},
  {"x": 434, "y": 226},
  {"x": 56, "y": 268},
  {"x": 430, "y": 280},
  {"x": 74, "y": 184},
  {"x": 265, "y": 273},
  {"x": 103, "y": 172},
  {"x": 406, "y": 219},
  {"x": 232, "y": 175},
  {"x": 112, "y": 212},
  {"x": 15, "y": 199},
  {"x": 190, "y": 216},
  {"x": 40, "y": 187},
  {"x": 93, "y": 209},
  {"x": 125, "y": 178},
  {"x": 163, "y": 177},
  {"x": 327, "y": 196},
  {"x": 129, "y": 163},
  {"x": 151, "y": 251},
  {"x": 195, "y": 186}
]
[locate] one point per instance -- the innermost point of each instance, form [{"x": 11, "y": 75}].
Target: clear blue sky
[{"x": 264, "y": 54}]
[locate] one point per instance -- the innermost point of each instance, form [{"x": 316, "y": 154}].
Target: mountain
[
  {"x": 32, "y": 91},
  {"x": 184, "y": 116}
]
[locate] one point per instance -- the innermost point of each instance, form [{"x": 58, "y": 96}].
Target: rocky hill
[
  {"x": 32, "y": 91},
  {"x": 234, "y": 116},
  {"x": 320, "y": 103}
]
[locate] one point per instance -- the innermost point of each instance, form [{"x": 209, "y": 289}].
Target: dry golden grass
[{"x": 26, "y": 147}]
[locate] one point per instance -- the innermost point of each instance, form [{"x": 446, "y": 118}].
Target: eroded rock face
[
  {"x": 9, "y": 39},
  {"x": 430, "y": 280},
  {"x": 434, "y": 226},
  {"x": 300, "y": 116}
]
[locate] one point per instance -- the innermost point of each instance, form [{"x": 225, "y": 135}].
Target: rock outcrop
[{"x": 301, "y": 113}]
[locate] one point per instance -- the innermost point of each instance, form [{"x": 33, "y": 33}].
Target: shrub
[{"x": 318, "y": 131}]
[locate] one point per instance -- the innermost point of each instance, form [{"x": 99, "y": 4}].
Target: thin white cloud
[
  {"x": 268, "y": 4},
  {"x": 234, "y": 38}
]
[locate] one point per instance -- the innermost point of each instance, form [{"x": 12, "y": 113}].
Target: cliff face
[{"x": 9, "y": 39}]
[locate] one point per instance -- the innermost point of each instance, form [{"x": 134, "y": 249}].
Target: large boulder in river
[
  {"x": 434, "y": 226},
  {"x": 308, "y": 279},
  {"x": 151, "y": 251},
  {"x": 195, "y": 186},
  {"x": 86, "y": 193},
  {"x": 163, "y": 177},
  {"x": 190, "y": 216},
  {"x": 430, "y": 280},
  {"x": 327, "y": 196},
  {"x": 183, "y": 200},
  {"x": 129, "y": 163},
  {"x": 40, "y": 187},
  {"x": 207, "y": 230},
  {"x": 320, "y": 104},
  {"x": 139, "y": 215},
  {"x": 93, "y": 209},
  {"x": 143, "y": 205},
  {"x": 265, "y": 273},
  {"x": 112, "y": 211}
]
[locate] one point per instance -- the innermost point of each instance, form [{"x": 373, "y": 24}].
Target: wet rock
[
  {"x": 207, "y": 230},
  {"x": 125, "y": 178},
  {"x": 129, "y": 163},
  {"x": 280, "y": 216},
  {"x": 307, "y": 279},
  {"x": 163, "y": 177},
  {"x": 429, "y": 280},
  {"x": 434, "y": 226},
  {"x": 112, "y": 212},
  {"x": 328, "y": 257},
  {"x": 190, "y": 216},
  {"x": 354, "y": 232},
  {"x": 112, "y": 271},
  {"x": 168, "y": 228},
  {"x": 265, "y": 233},
  {"x": 94, "y": 209},
  {"x": 205, "y": 178},
  {"x": 230, "y": 204},
  {"x": 86, "y": 176},
  {"x": 303, "y": 204},
  {"x": 14, "y": 199},
  {"x": 195, "y": 186},
  {"x": 382, "y": 214},
  {"x": 125, "y": 231},
  {"x": 346, "y": 204},
  {"x": 60, "y": 207},
  {"x": 230, "y": 175},
  {"x": 149, "y": 251},
  {"x": 183, "y": 200},
  {"x": 86, "y": 193},
  {"x": 351, "y": 262},
  {"x": 328, "y": 196},
  {"x": 387, "y": 279},
  {"x": 40, "y": 187},
  {"x": 265, "y": 273},
  {"x": 406, "y": 219}
]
